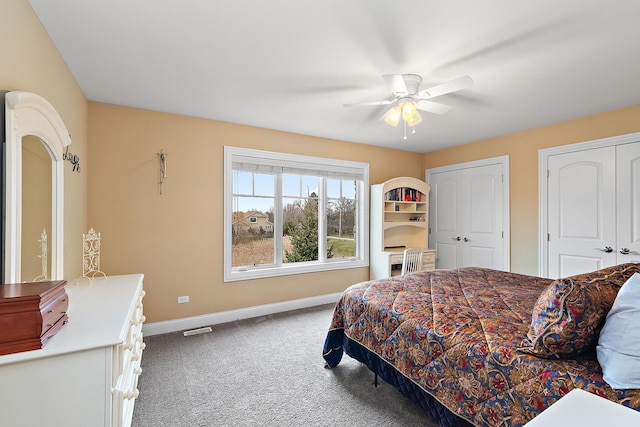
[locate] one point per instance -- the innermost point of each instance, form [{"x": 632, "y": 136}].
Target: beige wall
[
  {"x": 30, "y": 62},
  {"x": 522, "y": 149},
  {"x": 176, "y": 239}
]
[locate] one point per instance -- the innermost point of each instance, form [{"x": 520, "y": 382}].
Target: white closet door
[
  {"x": 466, "y": 217},
  {"x": 443, "y": 218},
  {"x": 582, "y": 210},
  {"x": 594, "y": 209},
  {"x": 482, "y": 240},
  {"x": 628, "y": 203}
]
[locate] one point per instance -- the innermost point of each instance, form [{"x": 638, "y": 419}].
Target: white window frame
[{"x": 232, "y": 274}]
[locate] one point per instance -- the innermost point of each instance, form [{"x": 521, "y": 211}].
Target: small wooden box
[{"x": 30, "y": 314}]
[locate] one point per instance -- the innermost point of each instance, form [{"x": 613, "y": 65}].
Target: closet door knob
[
  {"x": 466, "y": 240},
  {"x": 607, "y": 249},
  {"x": 456, "y": 238}
]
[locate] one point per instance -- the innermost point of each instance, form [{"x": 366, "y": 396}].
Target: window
[{"x": 290, "y": 214}]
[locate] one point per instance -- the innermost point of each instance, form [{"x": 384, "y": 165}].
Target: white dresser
[
  {"x": 87, "y": 373},
  {"x": 584, "y": 409}
]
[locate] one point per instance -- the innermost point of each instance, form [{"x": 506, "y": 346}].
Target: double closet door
[
  {"x": 468, "y": 214},
  {"x": 593, "y": 209}
]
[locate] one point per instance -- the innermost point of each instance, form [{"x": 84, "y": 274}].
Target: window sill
[{"x": 249, "y": 273}]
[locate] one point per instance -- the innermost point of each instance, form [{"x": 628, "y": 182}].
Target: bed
[{"x": 480, "y": 347}]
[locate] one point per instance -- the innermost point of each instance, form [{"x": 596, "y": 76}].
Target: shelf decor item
[{"x": 91, "y": 254}]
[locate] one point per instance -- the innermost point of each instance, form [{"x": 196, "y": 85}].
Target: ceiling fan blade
[
  {"x": 448, "y": 87},
  {"x": 364, "y": 104},
  {"x": 397, "y": 84},
  {"x": 432, "y": 107}
]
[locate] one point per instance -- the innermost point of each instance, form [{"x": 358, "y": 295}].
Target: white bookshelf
[{"x": 399, "y": 220}]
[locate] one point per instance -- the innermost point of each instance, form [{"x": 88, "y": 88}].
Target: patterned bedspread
[{"x": 455, "y": 334}]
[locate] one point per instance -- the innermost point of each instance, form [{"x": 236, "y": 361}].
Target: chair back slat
[{"x": 412, "y": 260}]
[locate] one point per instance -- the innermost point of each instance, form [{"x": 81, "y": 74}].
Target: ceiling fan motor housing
[{"x": 412, "y": 81}]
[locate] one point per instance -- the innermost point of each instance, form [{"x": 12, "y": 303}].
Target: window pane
[
  {"x": 252, "y": 231},
  {"x": 341, "y": 227},
  {"x": 264, "y": 185},
  {"x": 249, "y": 204},
  {"x": 250, "y": 183},
  {"x": 291, "y": 185},
  {"x": 309, "y": 186},
  {"x": 349, "y": 189},
  {"x": 300, "y": 229},
  {"x": 333, "y": 188},
  {"x": 299, "y": 185},
  {"x": 242, "y": 182}
]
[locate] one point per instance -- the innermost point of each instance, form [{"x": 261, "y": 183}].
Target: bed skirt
[{"x": 337, "y": 341}]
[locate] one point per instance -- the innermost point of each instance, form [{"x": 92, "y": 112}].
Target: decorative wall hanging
[
  {"x": 72, "y": 158},
  {"x": 162, "y": 158},
  {"x": 43, "y": 257},
  {"x": 91, "y": 255}
]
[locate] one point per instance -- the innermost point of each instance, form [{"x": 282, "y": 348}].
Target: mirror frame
[{"x": 29, "y": 114}]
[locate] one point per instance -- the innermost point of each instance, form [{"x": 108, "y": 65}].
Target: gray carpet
[{"x": 266, "y": 371}]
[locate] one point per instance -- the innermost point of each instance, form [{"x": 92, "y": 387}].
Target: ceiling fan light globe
[
  {"x": 414, "y": 120},
  {"x": 408, "y": 109},
  {"x": 393, "y": 116},
  {"x": 410, "y": 114}
]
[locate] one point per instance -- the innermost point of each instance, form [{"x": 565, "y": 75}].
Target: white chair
[{"x": 412, "y": 260}]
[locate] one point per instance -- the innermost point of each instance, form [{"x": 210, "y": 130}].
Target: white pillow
[{"x": 618, "y": 347}]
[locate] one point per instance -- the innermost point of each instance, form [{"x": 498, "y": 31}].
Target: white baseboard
[{"x": 185, "y": 323}]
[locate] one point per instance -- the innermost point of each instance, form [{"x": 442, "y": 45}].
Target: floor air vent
[{"x": 197, "y": 331}]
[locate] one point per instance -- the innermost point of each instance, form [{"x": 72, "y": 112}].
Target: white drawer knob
[{"x": 131, "y": 394}]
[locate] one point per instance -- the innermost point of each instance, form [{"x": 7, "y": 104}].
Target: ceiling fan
[{"x": 407, "y": 99}]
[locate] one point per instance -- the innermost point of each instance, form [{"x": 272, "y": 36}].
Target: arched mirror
[
  {"x": 36, "y": 138},
  {"x": 36, "y": 210}
]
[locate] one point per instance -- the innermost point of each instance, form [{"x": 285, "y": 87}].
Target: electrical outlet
[{"x": 182, "y": 300}]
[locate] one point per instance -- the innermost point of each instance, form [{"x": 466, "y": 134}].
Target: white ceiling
[{"x": 290, "y": 65}]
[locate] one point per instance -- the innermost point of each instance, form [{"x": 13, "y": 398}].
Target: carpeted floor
[{"x": 267, "y": 371}]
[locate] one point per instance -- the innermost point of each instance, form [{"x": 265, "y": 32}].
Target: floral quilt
[{"x": 458, "y": 335}]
